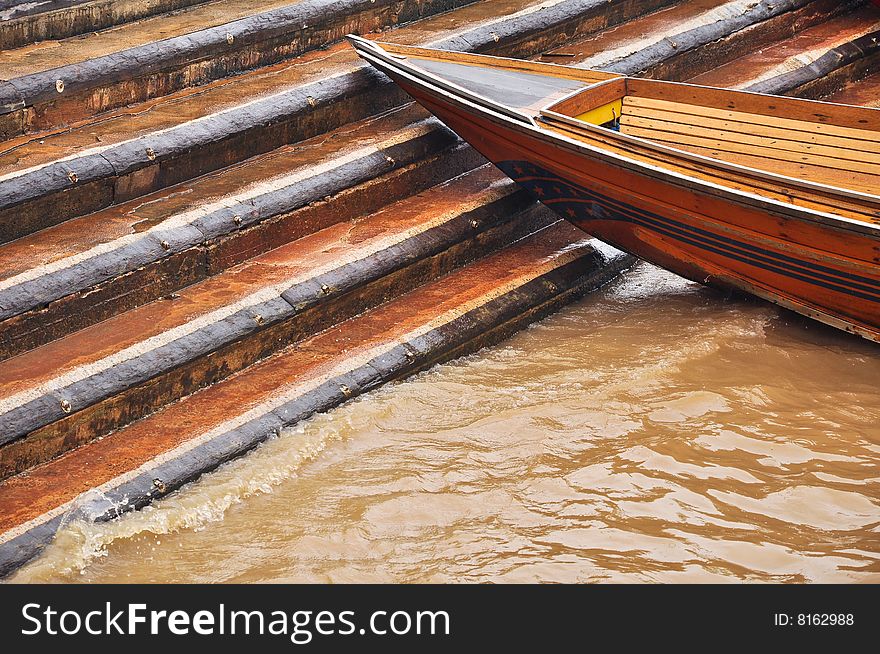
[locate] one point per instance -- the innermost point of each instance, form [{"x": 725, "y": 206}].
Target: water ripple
[{"x": 657, "y": 431}]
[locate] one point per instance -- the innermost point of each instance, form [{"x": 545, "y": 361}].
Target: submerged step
[
  {"x": 464, "y": 310},
  {"x": 78, "y": 388}
]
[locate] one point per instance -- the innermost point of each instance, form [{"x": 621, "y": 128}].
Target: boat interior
[
  {"x": 813, "y": 154},
  {"x": 829, "y": 144}
]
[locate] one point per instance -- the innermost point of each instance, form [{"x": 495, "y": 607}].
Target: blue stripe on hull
[{"x": 578, "y": 204}]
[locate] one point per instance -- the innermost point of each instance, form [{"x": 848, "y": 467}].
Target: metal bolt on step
[
  {"x": 475, "y": 223},
  {"x": 72, "y": 177},
  {"x": 65, "y": 406},
  {"x": 325, "y": 289},
  {"x": 311, "y": 101},
  {"x": 389, "y": 159},
  {"x": 259, "y": 319},
  {"x": 495, "y": 37},
  {"x": 165, "y": 245},
  {"x": 345, "y": 390},
  {"x": 229, "y": 38},
  {"x": 151, "y": 154},
  {"x": 237, "y": 220},
  {"x": 59, "y": 85},
  {"x": 159, "y": 485}
]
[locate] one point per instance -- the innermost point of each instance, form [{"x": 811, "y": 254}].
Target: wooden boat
[{"x": 774, "y": 196}]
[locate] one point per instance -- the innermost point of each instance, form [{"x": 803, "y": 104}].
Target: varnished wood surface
[
  {"x": 809, "y": 246},
  {"x": 825, "y": 202},
  {"x": 502, "y": 63},
  {"x": 838, "y": 160}
]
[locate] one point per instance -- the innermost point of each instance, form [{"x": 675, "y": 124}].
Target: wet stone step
[
  {"x": 467, "y": 309},
  {"x": 80, "y": 387},
  {"x": 765, "y": 70},
  {"x": 830, "y": 71},
  {"x": 169, "y": 18},
  {"x": 864, "y": 91},
  {"x": 39, "y": 189},
  {"x": 23, "y": 23},
  {"x": 51, "y": 83},
  {"x": 688, "y": 39},
  {"x": 808, "y": 48},
  {"x": 82, "y": 271}
]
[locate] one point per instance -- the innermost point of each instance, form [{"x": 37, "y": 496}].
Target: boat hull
[{"x": 699, "y": 234}]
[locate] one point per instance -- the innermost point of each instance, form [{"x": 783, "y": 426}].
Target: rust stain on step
[
  {"x": 82, "y": 233},
  {"x": 29, "y": 495},
  {"x": 791, "y": 53}
]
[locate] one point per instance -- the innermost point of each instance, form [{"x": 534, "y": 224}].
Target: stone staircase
[{"x": 211, "y": 236}]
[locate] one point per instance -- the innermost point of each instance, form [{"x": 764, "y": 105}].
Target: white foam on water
[{"x": 79, "y": 542}]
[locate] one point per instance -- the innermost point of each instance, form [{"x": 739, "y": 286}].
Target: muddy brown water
[{"x": 654, "y": 431}]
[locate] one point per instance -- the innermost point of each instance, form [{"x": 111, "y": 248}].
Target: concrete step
[
  {"x": 467, "y": 309},
  {"x": 23, "y": 23},
  {"x": 682, "y": 41},
  {"x": 794, "y": 65},
  {"x": 178, "y": 384},
  {"x": 52, "y": 83},
  {"x": 62, "y": 174},
  {"x": 80, "y": 387},
  {"x": 87, "y": 269},
  {"x": 864, "y": 91}
]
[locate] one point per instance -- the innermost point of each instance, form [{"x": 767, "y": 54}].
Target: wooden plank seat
[
  {"x": 834, "y": 155},
  {"x": 773, "y": 127},
  {"x": 827, "y": 202}
]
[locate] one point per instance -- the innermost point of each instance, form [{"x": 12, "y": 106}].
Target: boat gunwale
[
  {"x": 445, "y": 85},
  {"x": 833, "y": 191},
  {"x": 700, "y": 158},
  {"x": 747, "y": 198},
  {"x": 567, "y": 72}
]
